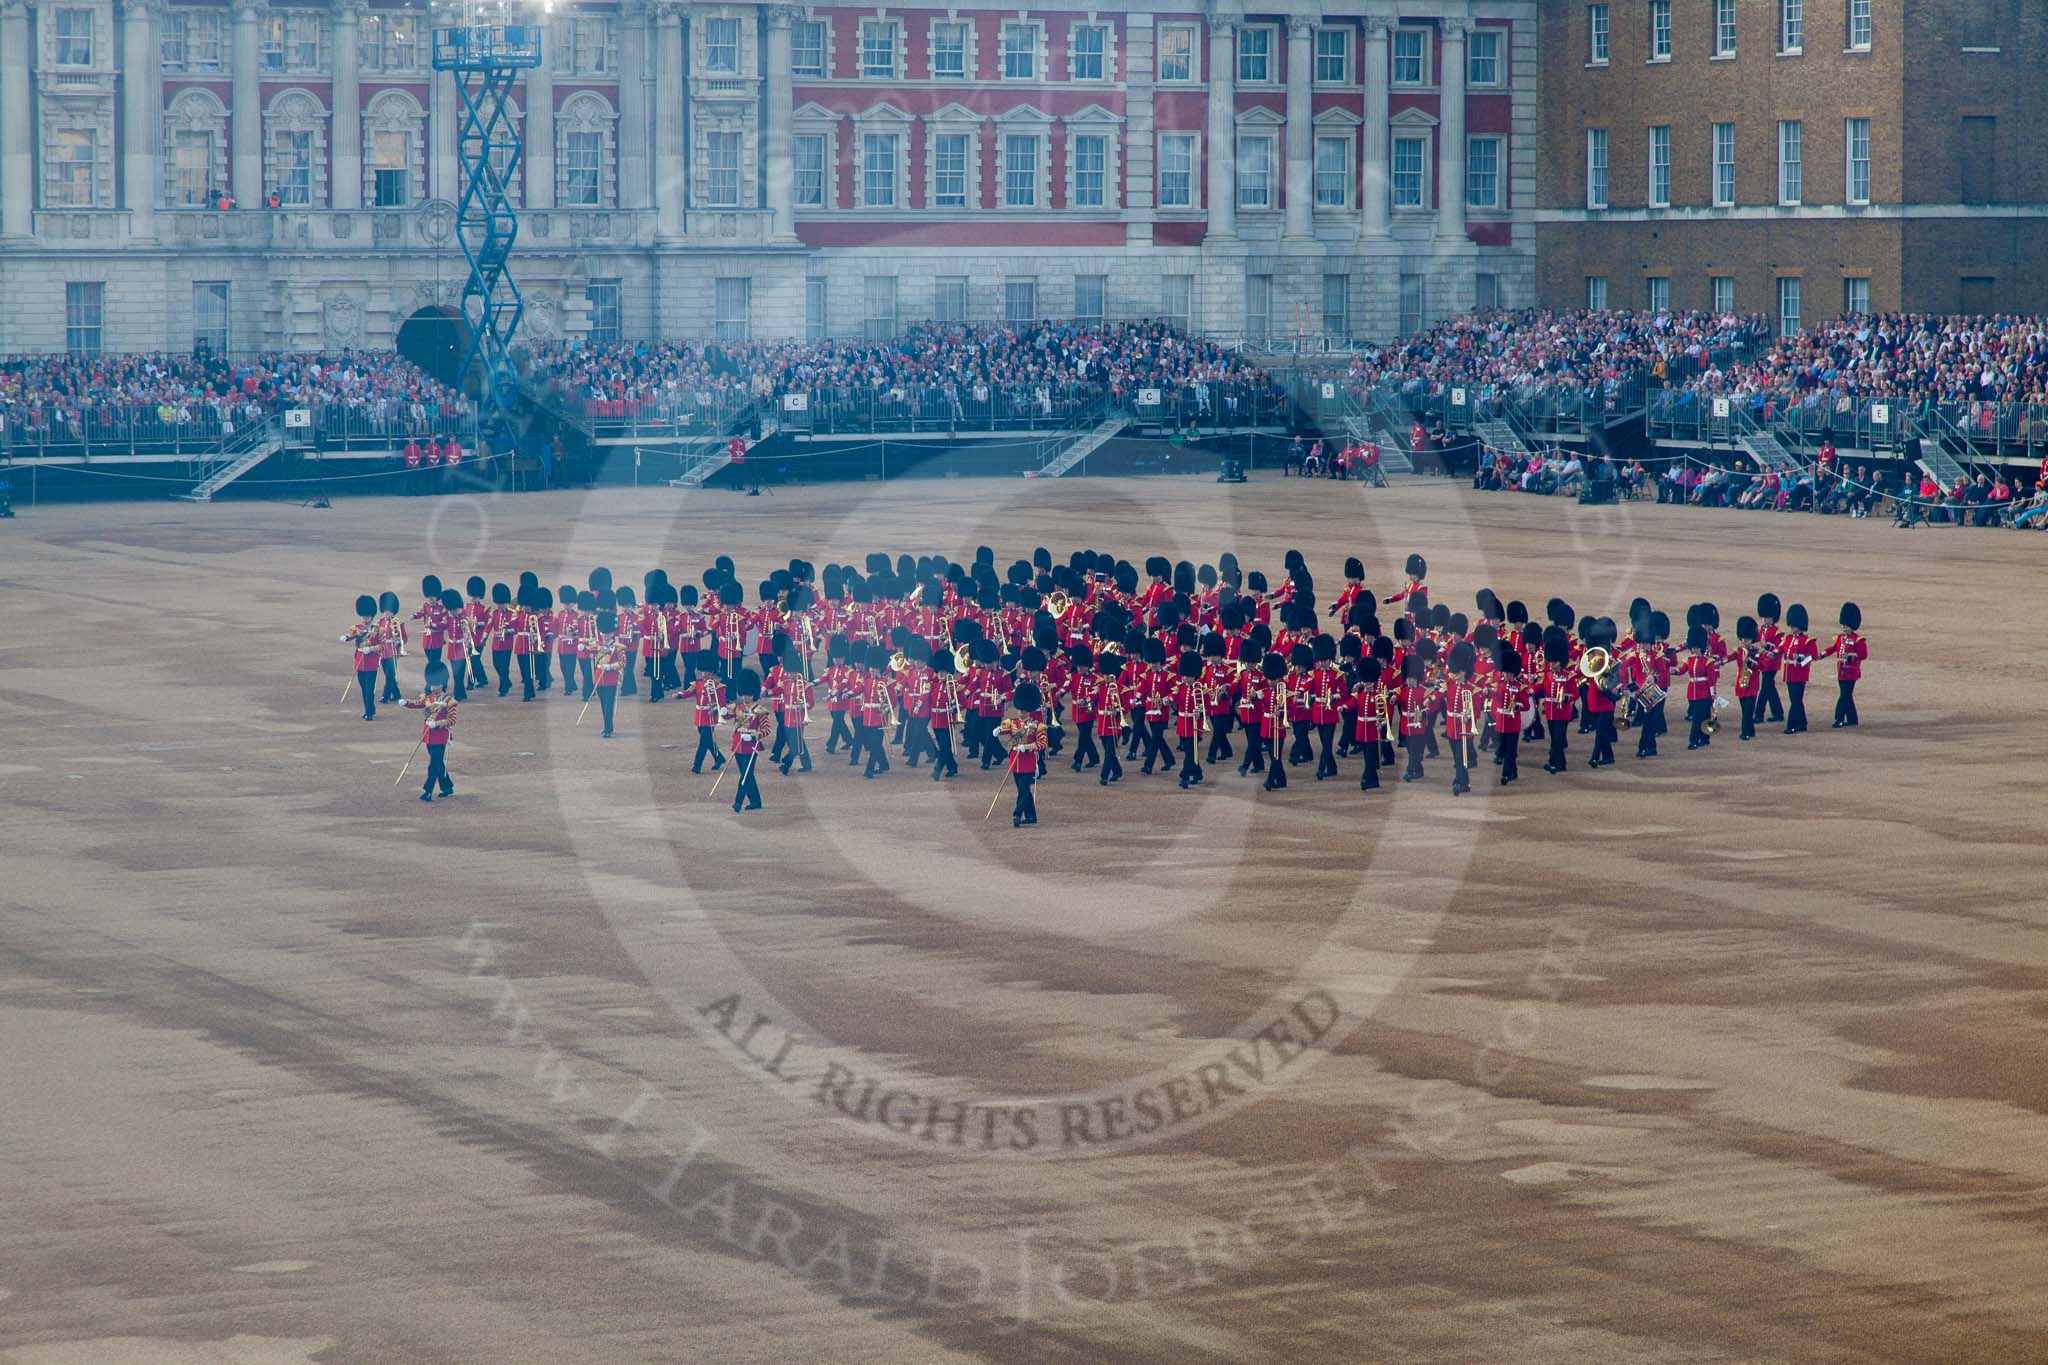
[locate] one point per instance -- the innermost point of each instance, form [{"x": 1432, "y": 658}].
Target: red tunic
[
  {"x": 1849, "y": 651},
  {"x": 708, "y": 695}
]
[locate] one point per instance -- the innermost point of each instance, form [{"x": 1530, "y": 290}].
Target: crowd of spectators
[
  {"x": 196, "y": 400},
  {"x": 933, "y": 372}
]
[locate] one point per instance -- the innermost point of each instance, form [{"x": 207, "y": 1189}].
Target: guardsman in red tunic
[
  {"x": 565, "y": 627},
  {"x": 1190, "y": 702},
  {"x": 1509, "y": 692},
  {"x": 1025, "y": 734},
  {"x": 1354, "y": 584},
  {"x": 367, "y": 642},
  {"x": 1414, "y": 699},
  {"x": 1700, "y": 671},
  {"x": 1253, "y": 697},
  {"x": 1653, "y": 660},
  {"x": 455, "y": 641},
  {"x": 1156, "y": 706},
  {"x": 525, "y": 636},
  {"x": 1083, "y": 688},
  {"x": 1274, "y": 704},
  {"x": 707, "y": 700},
  {"x": 494, "y": 630},
  {"x": 1849, "y": 650},
  {"x": 1109, "y": 705},
  {"x": 1219, "y": 685},
  {"x": 837, "y": 683},
  {"x": 433, "y": 618},
  {"x": 943, "y": 703},
  {"x": 1770, "y": 658},
  {"x": 1461, "y": 715},
  {"x": 1800, "y": 652},
  {"x": 1301, "y": 661},
  {"x": 1418, "y": 569},
  {"x": 1600, "y": 702},
  {"x": 1559, "y": 682},
  {"x": 437, "y": 727},
  {"x": 1372, "y": 705},
  {"x": 876, "y": 708},
  {"x": 610, "y": 659},
  {"x": 793, "y": 698},
  {"x": 391, "y": 631},
  {"x": 750, "y": 718},
  {"x": 1748, "y": 676},
  {"x": 1326, "y": 693}
]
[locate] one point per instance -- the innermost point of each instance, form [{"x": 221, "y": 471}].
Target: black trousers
[
  {"x": 1276, "y": 773},
  {"x": 1026, "y": 809},
  {"x": 526, "y": 677},
  {"x": 1845, "y": 704},
  {"x": 799, "y": 747},
  {"x": 943, "y": 762},
  {"x": 501, "y": 661},
  {"x": 437, "y": 771},
  {"x": 1299, "y": 751},
  {"x": 1156, "y": 750},
  {"x": 917, "y": 739},
  {"x": 1696, "y": 713},
  {"x": 1326, "y": 764},
  {"x": 458, "y": 673},
  {"x": 1509, "y": 747},
  {"x": 589, "y": 678},
  {"x": 839, "y": 733},
  {"x": 477, "y": 676},
  {"x": 1795, "y": 707},
  {"x": 1461, "y": 776},
  {"x": 1415, "y": 747},
  {"x": 878, "y": 755},
  {"x": 1603, "y": 737},
  {"x": 568, "y": 674},
  {"x": 367, "y": 681},
  {"x": 1769, "y": 708},
  {"x": 543, "y": 672},
  {"x": 433, "y": 654},
  {"x": 608, "y": 699},
  {"x": 391, "y": 692},
  {"x": 1086, "y": 755},
  {"x": 1220, "y": 749},
  {"x": 1558, "y": 730},
  {"x": 1748, "y": 705},
  {"x": 1653, "y": 724},
  {"x": 1190, "y": 771},
  {"x": 670, "y": 681},
  {"x": 626, "y": 688},
  {"x": 749, "y": 791},
  {"x": 1370, "y": 779},
  {"x": 1112, "y": 768},
  {"x": 707, "y": 747}
]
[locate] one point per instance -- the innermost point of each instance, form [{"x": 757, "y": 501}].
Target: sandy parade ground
[{"x": 1727, "y": 1055}]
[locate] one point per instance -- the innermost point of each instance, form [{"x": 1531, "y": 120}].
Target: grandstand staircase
[
  {"x": 249, "y": 449},
  {"x": 1938, "y": 460},
  {"x": 1499, "y": 435},
  {"x": 1082, "y": 445},
  {"x": 1393, "y": 455},
  {"x": 1769, "y": 452},
  {"x": 701, "y": 461}
]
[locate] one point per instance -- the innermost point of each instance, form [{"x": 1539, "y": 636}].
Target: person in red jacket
[
  {"x": 437, "y": 727},
  {"x": 1508, "y": 694},
  {"x": 433, "y": 620},
  {"x": 608, "y": 664},
  {"x": 1800, "y": 651},
  {"x": 1461, "y": 714},
  {"x": 1272, "y": 722},
  {"x": 1190, "y": 703},
  {"x": 393, "y": 632},
  {"x": 455, "y": 641},
  {"x": 1653, "y": 660},
  {"x": 1025, "y": 733},
  {"x": 1326, "y": 694},
  {"x": 1372, "y": 705},
  {"x": 1748, "y": 673},
  {"x": 750, "y": 720},
  {"x": 367, "y": 641},
  {"x": 1559, "y": 684},
  {"x": 1700, "y": 673},
  {"x": 707, "y": 699},
  {"x": 1413, "y": 701},
  {"x": 1849, "y": 650},
  {"x": 943, "y": 686},
  {"x": 1109, "y": 705}
]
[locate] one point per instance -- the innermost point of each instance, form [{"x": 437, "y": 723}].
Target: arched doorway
[{"x": 436, "y": 339}]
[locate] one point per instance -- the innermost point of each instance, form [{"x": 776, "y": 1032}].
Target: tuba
[
  {"x": 963, "y": 659},
  {"x": 1058, "y": 603}
]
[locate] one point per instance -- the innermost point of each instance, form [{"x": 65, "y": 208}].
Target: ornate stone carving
[
  {"x": 543, "y": 317},
  {"x": 341, "y": 320},
  {"x": 437, "y": 220}
]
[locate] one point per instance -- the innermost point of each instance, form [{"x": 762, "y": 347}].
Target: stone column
[
  {"x": 1222, "y": 76},
  {"x": 443, "y": 174},
  {"x": 246, "y": 165},
  {"x": 781, "y": 167},
  {"x": 17, "y": 132},
  {"x": 537, "y": 100},
  {"x": 141, "y": 115},
  {"x": 633, "y": 131},
  {"x": 1301, "y": 143},
  {"x": 345, "y": 147},
  {"x": 1374, "y": 190},
  {"x": 1450, "y": 132},
  {"x": 669, "y": 172}
]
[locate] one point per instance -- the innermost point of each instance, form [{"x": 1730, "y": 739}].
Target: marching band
[{"x": 913, "y": 654}]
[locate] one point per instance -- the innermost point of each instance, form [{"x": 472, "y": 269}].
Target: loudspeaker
[
  {"x": 1233, "y": 469},
  {"x": 1598, "y": 490}
]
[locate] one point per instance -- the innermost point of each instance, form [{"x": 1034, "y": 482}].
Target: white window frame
[
  {"x": 1654, "y": 285},
  {"x": 871, "y": 313},
  {"x": 63, "y": 173},
  {"x": 1493, "y": 37},
  {"x": 1791, "y": 27},
  {"x": 1010, "y": 189},
  {"x": 1721, "y": 140},
  {"x": 1860, "y": 30},
  {"x": 1421, "y": 58},
  {"x": 725, "y": 326},
  {"x": 1269, "y": 143},
  {"x": 1193, "y": 143},
  {"x": 1660, "y": 30},
  {"x": 1724, "y": 28},
  {"x": 824, "y": 181},
  {"x": 1014, "y": 288},
  {"x": 1718, "y": 285},
  {"x": 1347, "y": 155},
  {"x": 817, "y": 308},
  {"x": 1106, "y": 197},
  {"x": 1101, "y": 309},
  {"x": 718, "y": 192},
  {"x": 593, "y": 45},
  {"x": 1342, "y": 33},
  {"x": 1106, "y": 56},
  {"x": 205, "y": 293},
  {"x": 950, "y": 297},
  {"x": 65, "y": 46},
  {"x": 1658, "y": 187},
  {"x": 1596, "y": 293},
  {"x": 1335, "y": 322},
  {"x": 1265, "y": 36},
  {"x": 1597, "y": 168},
  {"x": 1421, "y": 138},
  {"x": 965, "y": 30},
  {"x": 1791, "y": 162},
  {"x": 864, "y": 147},
  {"x": 798, "y": 69},
  {"x": 1020, "y": 52},
  {"x": 1599, "y": 37},
  {"x": 969, "y": 135},
  {"x": 814, "y": 120},
  {"x": 716, "y": 27},
  {"x": 1177, "y": 300},
  {"x": 1193, "y": 34},
  {"x": 1792, "y": 291},
  {"x": 1852, "y": 287},
  {"x": 893, "y": 32},
  {"x": 1855, "y": 166},
  {"x": 1498, "y": 146},
  {"x": 85, "y": 317}
]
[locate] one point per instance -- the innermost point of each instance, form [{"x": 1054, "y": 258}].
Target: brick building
[
  {"x": 739, "y": 169},
  {"x": 1796, "y": 157}
]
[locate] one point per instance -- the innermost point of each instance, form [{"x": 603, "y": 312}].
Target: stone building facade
[
  {"x": 1794, "y": 157},
  {"x": 1351, "y": 167}
]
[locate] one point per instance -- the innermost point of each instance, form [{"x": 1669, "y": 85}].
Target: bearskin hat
[
  {"x": 984, "y": 555},
  {"x": 624, "y": 597},
  {"x": 1190, "y": 665},
  {"x": 1851, "y": 617},
  {"x": 1361, "y": 616},
  {"x": 1081, "y": 657},
  {"x": 1746, "y": 628},
  {"x": 1158, "y": 566},
  {"x": 451, "y": 600},
  {"x": 1383, "y": 649},
  {"x": 1428, "y": 649},
  {"x": 437, "y": 676},
  {"x": 544, "y": 600},
  {"x": 1303, "y": 655},
  {"x": 601, "y": 578},
  {"x": 1696, "y": 637},
  {"x": 1028, "y": 697},
  {"x": 607, "y": 623},
  {"x": 1212, "y": 646},
  {"x": 1795, "y": 616},
  {"x": 606, "y": 601},
  {"x": 1557, "y": 646},
  {"x": 1273, "y": 666},
  {"x": 1418, "y": 605},
  {"x": 1351, "y": 648},
  {"x": 1125, "y": 577},
  {"x": 1206, "y": 576},
  {"x": 1325, "y": 648},
  {"x": 366, "y": 605},
  {"x": 1510, "y": 662},
  {"x": 1185, "y": 636},
  {"x": 1259, "y": 638},
  {"x": 586, "y": 601},
  {"x": 1660, "y": 625},
  {"x": 1517, "y": 612},
  {"x": 1559, "y": 612},
  {"x": 387, "y": 601},
  {"x": 1412, "y": 668},
  {"x": 1184, "y": 577},
  {"x": 1292, "y": 560},
  {"x": 1155, "y": 651},
  {"x": 1109, "y": 663},
  {"x": 1230, "y": 616},
  {"x": 1711, "y": 615},
  {"x": 1033, "y": 659},
  {"x": 475, "y": 586},
  {"x": 1485, "y": 636},
  {"x": 1257, "y": 580},
  {"x": 906, "y": 567},
  {"x": 986, "y": 651},
  {"x": 1532, "y": 638},
  {"x": 1457, "y": 623},
  {"x": 1417, "y": 567},
  {"x": 1354, "y": 568},
  {"x": 745, "y": 683},
  {"x": 501, "y": 593},
  {"x": 1404, "y": 628},
  {"x": 1463, "y": 658},
  {"x": 430, "y": 586},
  {"x": 1767, "y": 606}
]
